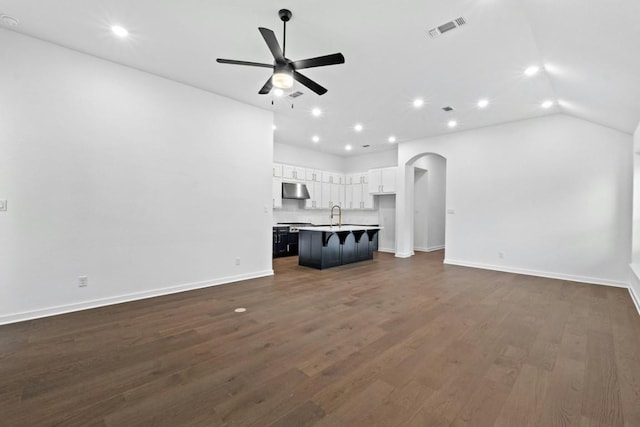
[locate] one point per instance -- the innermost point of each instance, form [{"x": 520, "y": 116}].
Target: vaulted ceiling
[{"x": 588, "y": 52}]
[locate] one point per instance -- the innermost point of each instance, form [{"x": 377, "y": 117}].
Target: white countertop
[{"x": 335, "y": 228}]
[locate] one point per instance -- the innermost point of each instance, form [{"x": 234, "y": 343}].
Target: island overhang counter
[{"x": 330, "y": 246}]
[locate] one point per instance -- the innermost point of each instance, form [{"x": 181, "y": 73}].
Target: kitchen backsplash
[{"x": 294, "y": 211}]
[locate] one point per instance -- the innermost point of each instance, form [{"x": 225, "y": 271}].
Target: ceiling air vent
[
  {"x": 447, "y": 26},
  {"x": 296, "y": 94},
  {"x": 447, "y": 108}
]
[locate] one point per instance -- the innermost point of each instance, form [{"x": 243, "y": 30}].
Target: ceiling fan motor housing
[{"x": 285, "y": 15}]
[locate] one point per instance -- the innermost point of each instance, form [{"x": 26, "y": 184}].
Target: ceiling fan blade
[
  {"x": 266, "y": 88},
  {"x": 272, "y": 43},
  {"x": 309, "y": 83},
  {"x": 319, "y": 61},
  {"x": 252, "y": 64}
]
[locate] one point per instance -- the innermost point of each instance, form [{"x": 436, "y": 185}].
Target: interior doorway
[{"x": 429, "y": 203}]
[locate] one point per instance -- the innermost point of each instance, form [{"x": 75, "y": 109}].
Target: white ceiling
[{"x": 591, "y": 51}]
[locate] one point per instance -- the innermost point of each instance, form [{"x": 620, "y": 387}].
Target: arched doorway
[
  {"x": 429, "y": 203},
  {"x": 421, "y": 197}
]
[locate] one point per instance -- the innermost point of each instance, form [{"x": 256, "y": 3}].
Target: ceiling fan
[{"x": 285, "y": 71}]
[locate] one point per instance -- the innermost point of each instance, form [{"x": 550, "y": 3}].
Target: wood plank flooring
[{"x": 390, "y": 342}]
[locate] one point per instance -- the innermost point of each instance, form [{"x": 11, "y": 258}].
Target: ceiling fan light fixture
[
  {"x": 282, "y": 80},
  {"x": 531, "y": 71},
  {"x": 120, "y": 31}
]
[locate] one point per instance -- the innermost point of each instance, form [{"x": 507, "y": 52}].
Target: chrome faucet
[{"x": 339, "y": 215}]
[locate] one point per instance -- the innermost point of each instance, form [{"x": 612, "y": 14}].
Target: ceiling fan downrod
[{"x": 285, "y": 16}]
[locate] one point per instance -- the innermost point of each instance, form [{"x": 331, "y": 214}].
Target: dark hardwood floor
[{"x": 389, "y": 342}]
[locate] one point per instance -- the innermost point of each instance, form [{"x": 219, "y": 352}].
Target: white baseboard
[
  {"x": 550, "y": 275},
  {"x": 69, "y": 308},
  {"x": 405, "y": 254},
  {"x": 387, "y": 250},
  {"x": 429, "y": 249},
  {"x": 635, "y": 298},
  {"x": 635, "y": 283}
]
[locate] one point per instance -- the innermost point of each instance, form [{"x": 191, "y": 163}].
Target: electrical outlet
[
  {"x": 83, "y": 281},
  {"x": 237, "y": 261}
]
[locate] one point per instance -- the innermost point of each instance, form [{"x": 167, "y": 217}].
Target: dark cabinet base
[
  {"x": 284, "y": 242},
  {"x": 324, "y": 249}
]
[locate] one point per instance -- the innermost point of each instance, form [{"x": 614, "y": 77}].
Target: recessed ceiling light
[
  {"x": 547, "y": 104},
  {"x": 275, "y": 127},
  {"x": 452, "y": 123},
  {"x": 483, "y": 103},
  {"x": 347, "y": 147},
  {"x": 119, "y": 31},
  {"x": 278, "y": 92},
  {"x": 392, "y": 139},
  {"x": 315, "y": 138},
  {"x": 9, "y": 20},
  {"x": 418, "y": 102},
  {"x": 531, "y": 71},
  {"x": 358, "y": 127},
  {"x": 316, "y": 112}
]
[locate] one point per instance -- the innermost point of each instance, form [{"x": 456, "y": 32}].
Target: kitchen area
[{"x": 345, "y": 212}]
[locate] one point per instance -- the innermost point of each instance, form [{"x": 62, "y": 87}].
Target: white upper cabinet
[
  {"x": 367, "y": 197},
  {"x": 383, "y": 180},
  {"x": 276, "y": 190},
  {"x": 357, "y": 178},
  {"x": 277, "y": 170},
  {"x": 332, "y": 194},
  {"x": 326, "y": 188},
  {"x": 293, "y": 173},
  {"x": 332, "y": 177},
  {"x": 313, "y": 175},
  {"x": 357, "y": 196},
  {"x": 315, "y": 195}
]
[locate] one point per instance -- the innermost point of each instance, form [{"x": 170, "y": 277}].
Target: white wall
[
  {"x": 130, "y": 179},
  {"x": 309, "y": 158},
  {"x": 377, "y": 159},
  {"x": 553, "y": 194}
]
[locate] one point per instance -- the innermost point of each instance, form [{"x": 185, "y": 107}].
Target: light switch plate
[{"x": 3, "y": 205}]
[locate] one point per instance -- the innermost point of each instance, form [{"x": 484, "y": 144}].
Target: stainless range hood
[{"x": 294, "y": 190}]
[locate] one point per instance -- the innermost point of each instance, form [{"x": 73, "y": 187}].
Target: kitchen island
[{"x": 330, "y": 246}]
